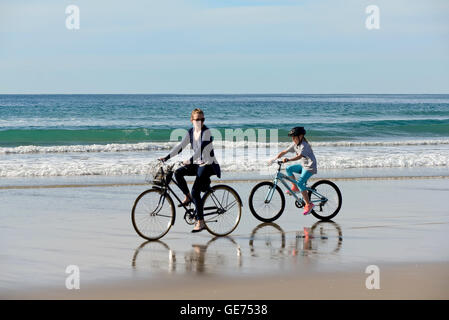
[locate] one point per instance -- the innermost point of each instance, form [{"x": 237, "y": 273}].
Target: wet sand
[
  {"x": 400, "y": 225},
  {"x": 404, "y": 281}
]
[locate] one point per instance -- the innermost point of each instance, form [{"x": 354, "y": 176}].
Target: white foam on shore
[
  {"x": 113, "y": 147},
  {"x": 154, "y": 146},
  {"x": 137, "y": 163},
  {"x": 133, "y": 159}
]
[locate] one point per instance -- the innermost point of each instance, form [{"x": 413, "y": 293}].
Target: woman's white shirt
[{"x": 197, "y": 145}]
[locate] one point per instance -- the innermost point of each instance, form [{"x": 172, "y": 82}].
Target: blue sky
[{"x": 229, "y": 46}]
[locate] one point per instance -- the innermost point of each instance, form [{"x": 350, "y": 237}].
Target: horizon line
[{"x": 202, "y": 94}]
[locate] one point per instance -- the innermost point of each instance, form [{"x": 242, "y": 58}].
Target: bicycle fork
[
  {"x": 159, "y": 206},
  {"x": 271, "y": 192}
]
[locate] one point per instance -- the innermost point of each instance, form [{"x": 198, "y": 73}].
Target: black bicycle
[{"x": 153, "y": 213}]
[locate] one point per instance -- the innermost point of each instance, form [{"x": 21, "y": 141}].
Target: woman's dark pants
[{"x": 202, "y": 183}]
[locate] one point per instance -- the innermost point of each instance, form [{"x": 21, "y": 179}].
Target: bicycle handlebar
[
  {"x": 169, "y": 167},
  {"x": 165, "y": 162},
  {"x": 279, "y": 162}
]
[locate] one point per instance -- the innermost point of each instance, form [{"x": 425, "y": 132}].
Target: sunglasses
[{"x": 202, "y": 119}]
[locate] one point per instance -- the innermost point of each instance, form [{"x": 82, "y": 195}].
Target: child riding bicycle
[{"x": 306, "y": 169}]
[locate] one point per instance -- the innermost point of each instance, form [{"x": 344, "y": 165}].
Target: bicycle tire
[
  {"x": 169, "y": 211},
  {"x": 210, "y": 203},
  {"x": 338, "y": 199},
  {"x": 251, "y": 202}
]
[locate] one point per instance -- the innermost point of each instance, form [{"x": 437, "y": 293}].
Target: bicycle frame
[{"x": 282, "y": 177}]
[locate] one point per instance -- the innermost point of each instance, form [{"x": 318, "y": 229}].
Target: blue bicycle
[{"x": 267, "y": 201}]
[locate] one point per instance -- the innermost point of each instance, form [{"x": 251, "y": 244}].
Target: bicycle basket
[{"x": 155, "y": 175}]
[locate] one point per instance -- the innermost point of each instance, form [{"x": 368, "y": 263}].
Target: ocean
[{"x": 118, "y": 135}]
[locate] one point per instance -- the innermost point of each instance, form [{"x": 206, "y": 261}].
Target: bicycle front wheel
[
  {"x": 326, "y": 198},
  {"x": 222, "y": 210},
  {"x": 153, "y": 214},
  {"x": 266, "y": 201}
]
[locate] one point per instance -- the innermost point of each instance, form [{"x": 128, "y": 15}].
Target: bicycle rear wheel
[
  {"x": 153, "y": 214},
  {"x": 266, "y": 201},
  {"x": 222, "y": 210},
  {"x": 327, "y": 201}
]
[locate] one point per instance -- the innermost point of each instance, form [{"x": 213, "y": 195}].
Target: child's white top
[{"x": 308, "y": 161}]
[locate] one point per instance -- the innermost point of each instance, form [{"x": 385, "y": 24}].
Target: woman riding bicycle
[
  {"x": 308, "y": 165},
  {"x": 202, "y": 164}
]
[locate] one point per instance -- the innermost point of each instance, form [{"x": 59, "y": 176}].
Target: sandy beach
[
  {"x": 385, "y": 222},
  {"x": 403, "y": 281}
]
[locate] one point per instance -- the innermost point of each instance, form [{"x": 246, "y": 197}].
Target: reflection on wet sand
[
  {"x": 267, "y": 241},
  {"x": 324, "y": 237},
  {"x": 154, "y": 256},
  {"x": 219, "y": 252},
  {"x": 272, "y": 237}
]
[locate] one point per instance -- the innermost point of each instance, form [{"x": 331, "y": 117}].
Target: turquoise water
[
  {"x": 72, "y": 135},
  {"x": 103, "y": 119}
]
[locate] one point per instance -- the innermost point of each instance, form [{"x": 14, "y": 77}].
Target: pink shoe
[
  {"x": 295, "y": 190},
  {"x": 308, "y": 208}
]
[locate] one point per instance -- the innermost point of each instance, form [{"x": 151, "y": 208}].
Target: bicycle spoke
[
  {"x": 222, "y": 198},
  {"x": 229, "y": 206},
  {"x": 162, "y": 215}
]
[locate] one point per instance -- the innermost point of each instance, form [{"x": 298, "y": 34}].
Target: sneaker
[{"x": 308, "y": 208}]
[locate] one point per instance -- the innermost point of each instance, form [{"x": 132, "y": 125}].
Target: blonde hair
[
  {"x": 304, "y": 139},
  {"x": 195, "y": 111}
]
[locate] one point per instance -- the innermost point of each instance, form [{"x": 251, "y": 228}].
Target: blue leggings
[{"x": 305, "y": 175}]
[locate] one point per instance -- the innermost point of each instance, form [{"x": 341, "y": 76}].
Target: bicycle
[
  {"x": 153, "y": 212},
  {"x": 267, "y": 201}
]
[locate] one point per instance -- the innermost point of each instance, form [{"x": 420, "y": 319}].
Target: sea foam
[
  {"x": 154, "y": 146},
  {"x": 240, "y": 160}
]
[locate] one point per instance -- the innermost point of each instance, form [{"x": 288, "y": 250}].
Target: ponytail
[{"x": 304, "y": 139}]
